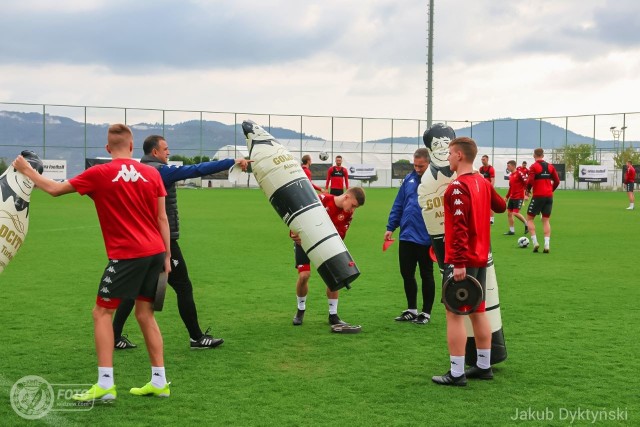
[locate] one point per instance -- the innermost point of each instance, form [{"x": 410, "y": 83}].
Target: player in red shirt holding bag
[
  {"x": 468, "y": 202},
  {"x": 544, "y": 180},
  {"x": 130, "y": 202},
  {"x": 515, "y": 197},
  {"x": 340, "y": 210},
  {"x": 629, "y": 180}
]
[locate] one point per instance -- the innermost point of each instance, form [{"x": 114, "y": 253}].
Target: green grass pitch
[{"x": 570, "y": 322}]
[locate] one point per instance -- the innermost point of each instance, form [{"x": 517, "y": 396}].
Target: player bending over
[{"x": 340, "y": 210}]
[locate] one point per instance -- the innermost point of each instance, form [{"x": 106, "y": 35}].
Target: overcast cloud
[{"x": 493, "y": 58}]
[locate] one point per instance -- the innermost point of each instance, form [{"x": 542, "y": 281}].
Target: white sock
[
  {"x": 512, "y": 229},
  {"x": 413, "y": 311},
  {"x": 302, "y": 303},
  {"x": 333, "y": 306},
  {"x": 157, "y": 376},
  {"x": 546, "y": 242},
  {"x": 457, "y": 365},
  {"x": 534, "y": 240},
  {"x": 105, "y": 377},
  {"x": 631, "y": 205},
  {"x": 484, "y": 358}
]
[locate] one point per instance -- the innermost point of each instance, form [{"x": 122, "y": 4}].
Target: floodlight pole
[
  {"x": 616, "y": 144},
  {"x": 430, "y": 66}
]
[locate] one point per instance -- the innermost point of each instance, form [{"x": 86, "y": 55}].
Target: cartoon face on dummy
[
  {"x": 19, "y": 185},
  {"x": 437, "y": 139}
]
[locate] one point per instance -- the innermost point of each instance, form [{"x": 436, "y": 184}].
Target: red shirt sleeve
[
  {"x": 554, "y": 177},
  {"x": 346, "y": 178},
  {"x": 498, "y": 205}
]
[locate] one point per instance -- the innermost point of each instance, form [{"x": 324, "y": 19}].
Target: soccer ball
[
  {"x": 523, "y": 242},
  {"x": 323, "y": 156}
]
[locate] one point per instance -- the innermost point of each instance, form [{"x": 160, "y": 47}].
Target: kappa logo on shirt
[
  {"x": 458, "y": 212},
  {"x": 455, "y": 192},
  {"x": 130, "y": 175},
  {"x": 457, "y": 202},
  {"x": 456, "y": 182}
]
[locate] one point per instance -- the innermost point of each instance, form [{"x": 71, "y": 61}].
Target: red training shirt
[
  {"x": 630, "y": 176},
  {"x": 488, "y": 172},
  {"x": 517, "y": 182},
  {"x": 335, "y": 177},
  {"x": 544, "y": 183},
  {"x": 468, "y": 202},
  {"x": 308, "y": 173},
  {"x": 339, "y": 217},
  {"x": 125, "y": 193}
]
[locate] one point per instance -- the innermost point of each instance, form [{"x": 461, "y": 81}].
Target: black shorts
[
  {"x": 131, "y": 278},
  {"x": 514, "y": 205},
  {"x": 302, "y": 260},
  {"x": 479, "y": 273},
  {"x": 336, "y": 191},
  {"x": 540, "y": 205},
  {"x": 628, "y": 187}
]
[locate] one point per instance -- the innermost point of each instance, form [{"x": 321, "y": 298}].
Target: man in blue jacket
[
  {"x": 156, "y": 154},
  {"x": 415, "y": 243}
]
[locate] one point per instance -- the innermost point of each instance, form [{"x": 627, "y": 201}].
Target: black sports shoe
[
  {"x": 526, "y": 229},
  {"x": 297, "y": 320},
  {"x": 421, "y": 319},
  {"x": 406, "y": 316},
  {"x": 448, "y": 379},
  {"x": 545, "y": 251},
  {"x": 536, "y": 247},
  {"x": 335, "y": 320},
  {"x": 479, "y": 373},
  {"x": 123, "y": 343},
  {"x": 206, "y": 341},
  {"x": 509, "y": 233}
]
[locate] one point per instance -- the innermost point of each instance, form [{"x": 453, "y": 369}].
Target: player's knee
[
  {"x": 303, "y": 276},
  {"x": 100, "y": 311}
]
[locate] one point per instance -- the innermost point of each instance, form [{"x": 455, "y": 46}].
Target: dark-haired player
[
  {"x": 340, "y": 210},
  {"x": 544, "y": 180},
  {"x": 337, "y": 178},
  {"x": 515, "y": 197}
]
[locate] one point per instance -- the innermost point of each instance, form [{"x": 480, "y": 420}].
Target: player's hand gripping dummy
[
  {"x": 289, "y": 191},
  {"x": 15, "y": 193},
  {"x": 431, "y": 199}
]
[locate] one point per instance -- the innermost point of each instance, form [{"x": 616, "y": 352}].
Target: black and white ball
[
  {"x": 323, "y": 156},
  {"x": 523, "y": 242}
]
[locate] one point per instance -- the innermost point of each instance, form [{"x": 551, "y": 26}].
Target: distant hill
[
  {"x": 529, "y": 130},
  {"x": 65, "y": 137}
]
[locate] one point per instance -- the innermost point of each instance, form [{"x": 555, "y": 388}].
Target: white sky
[{"x": 363, "y": 58}]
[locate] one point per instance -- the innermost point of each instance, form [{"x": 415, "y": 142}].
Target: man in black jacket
[{"x": 156, "y": 154}]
